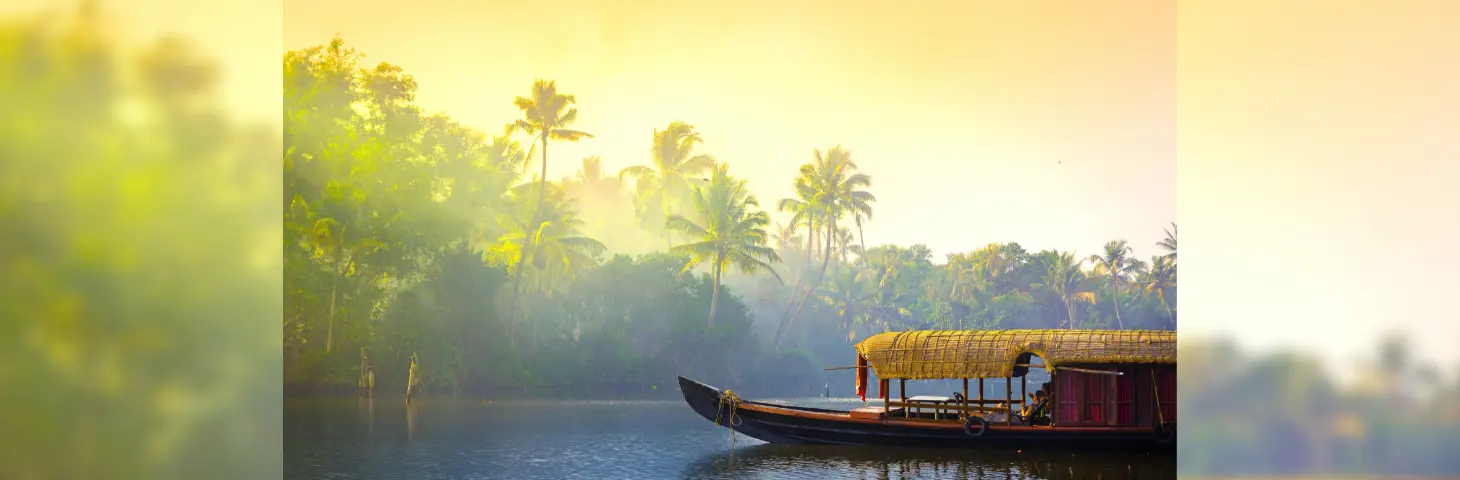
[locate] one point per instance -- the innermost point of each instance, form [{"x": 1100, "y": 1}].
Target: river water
[{"x": 658, "y": 439}]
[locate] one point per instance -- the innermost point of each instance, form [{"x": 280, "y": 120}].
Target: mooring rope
[
  {"x": 728, "y": 398},
  {"x": 1155, "y": 389}
]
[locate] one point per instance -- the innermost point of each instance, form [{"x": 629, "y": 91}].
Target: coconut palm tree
[
  {"x": 851, "y": 294},
  {"x": 325, "y": 229},
  {"x": 590, "y": 179},
  {"x": 1115, "y": 264},
  {"x": 553, "y": 243},
  {"x": 728, "y": 231},
  {"x": 1159, "y": 279},
  {"x": 859, "y": 203},
  {"x": 802, "y": 217},
  {"x": 786, "y": 237},
  {"x": 677, "y": 169},
  {"x": 833, "y": 186},
  {"x": 843, "y": 242},
  {"x": 1169, "y": 243},
  {"x": 548, "y": 114},
  {"x": 1064, "y": 278}
]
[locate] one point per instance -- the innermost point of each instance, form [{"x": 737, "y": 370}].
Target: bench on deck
[
  {"x": 932, "y": 401},
  {"x": 873, "y": 413}
]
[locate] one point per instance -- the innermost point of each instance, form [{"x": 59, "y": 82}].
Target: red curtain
[
  {"x": 1125, "y": 399},
  {"x": 1167, "y": 390},
  {"x": 1095, "y": 386},
  {"x": 1064, "y": 395}
]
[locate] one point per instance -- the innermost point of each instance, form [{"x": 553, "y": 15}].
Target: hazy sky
[
  {"x": 1317, "y": 151},
  {"x": 1319, "y": 186},
  {"x": 1052, "y": 125}
]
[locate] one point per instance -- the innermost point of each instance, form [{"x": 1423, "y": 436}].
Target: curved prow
[{"x": 703, "y": 399}]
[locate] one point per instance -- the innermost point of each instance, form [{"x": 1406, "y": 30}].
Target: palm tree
[
  {"x": 851, "y": 294},
  {"x": 859, "y": 202},
  {"x": 833, "y": 187},
  {"x": 786, "y": 236},
  {"x": 548, "y": 114},
  {"x": 675, "y": 164},
  {"x": 1169, "y": 243},
  {"x": 505, "y": 155},
  {"x": 327, "y": 232},
  {"x": 1160, "y": 278},
  {"x": 729, "y": 232},
  {"x": 1115, "y": 264},
  {"x": 591, "y": 180},
  {"x": 843, "y": 242},
  {"x": 1066, "y": 280},
  {"x": 801, "y": 217},
  {"x": 553, "y": 240}
]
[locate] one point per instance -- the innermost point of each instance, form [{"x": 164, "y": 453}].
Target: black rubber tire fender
[{"x": 983, "y": 426}]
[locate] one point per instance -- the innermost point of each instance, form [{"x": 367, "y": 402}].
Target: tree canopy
[{"x": 409, "y": 233}]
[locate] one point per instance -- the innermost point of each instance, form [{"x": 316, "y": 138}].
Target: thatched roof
[{"x": 993, "y": 353}]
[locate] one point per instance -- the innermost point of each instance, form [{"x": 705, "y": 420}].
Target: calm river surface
[{"x": 660, "y": 439}]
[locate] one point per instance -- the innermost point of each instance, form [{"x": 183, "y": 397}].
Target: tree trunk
[
  {"x": 329, "y": 337},
  {"x": 811, "y": 287},
  {"x": 516, "y": 289},
  {"x": 862, "y": 240},
  {"x": 800, "y": 277},
  {"x": 715, "y": 297},
  {"x": 1070, "y": 310},
  {"x": 668, "y": 232},
  {"x": 542, "y": 290},
  {"x": 1115, "y": 298},
  {"x": 531, "y": 230},
  {"x": 1169, "y": 315}
]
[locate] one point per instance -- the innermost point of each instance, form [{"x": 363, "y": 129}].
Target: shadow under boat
[{"x": 782, "y": 424}]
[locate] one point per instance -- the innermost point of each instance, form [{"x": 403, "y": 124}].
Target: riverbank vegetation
[{"x": 407, "y": 232}]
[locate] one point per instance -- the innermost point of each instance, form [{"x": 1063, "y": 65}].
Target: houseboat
[{"x": 1109, "y": 390}]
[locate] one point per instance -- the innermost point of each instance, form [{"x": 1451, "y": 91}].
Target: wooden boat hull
[{"x": 804, "y": 425}]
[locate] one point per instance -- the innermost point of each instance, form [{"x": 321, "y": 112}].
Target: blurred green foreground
[
  {"x": 1282, "y": 413},
  {"x": 140, "y": 264}
]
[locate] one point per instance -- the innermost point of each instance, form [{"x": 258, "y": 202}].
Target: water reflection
[
  {"x": 601, "y": 440},
  {"x": 794, "y": 461}
]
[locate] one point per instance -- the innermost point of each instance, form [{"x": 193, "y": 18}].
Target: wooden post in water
[{"x": 411, "y": 379}]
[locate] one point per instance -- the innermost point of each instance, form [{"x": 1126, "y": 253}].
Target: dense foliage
[{"x": 409, "y": 233}]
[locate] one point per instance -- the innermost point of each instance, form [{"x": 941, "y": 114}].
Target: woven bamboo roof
[{"x": 921, "y": 355}]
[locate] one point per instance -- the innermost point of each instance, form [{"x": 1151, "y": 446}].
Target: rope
[
  {"x": 733, "y": 401},
  {"x": 1160, "y": 415}
]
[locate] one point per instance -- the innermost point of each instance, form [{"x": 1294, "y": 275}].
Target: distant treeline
[
  {"x": 1281, "y": 413},
  {"x": 409, "y": 233}
]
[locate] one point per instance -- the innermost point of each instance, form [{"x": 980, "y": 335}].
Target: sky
[
  {"x": 1052, "y": 125},
  {"x": 1318, "y": 175},
  {"x": 1315, "y": 161}
]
